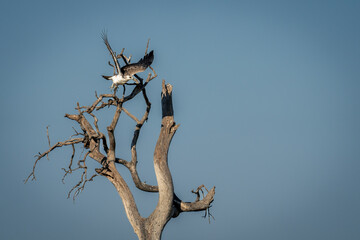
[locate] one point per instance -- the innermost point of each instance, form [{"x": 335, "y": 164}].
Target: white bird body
[{"x": 118, "y": 79}]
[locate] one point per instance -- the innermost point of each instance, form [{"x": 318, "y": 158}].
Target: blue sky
[{"x": 266, "y": 92}]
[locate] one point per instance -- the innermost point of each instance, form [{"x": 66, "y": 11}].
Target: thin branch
[
  {"x": 111, "y": 152},
  {"x": 148, "y": 103},
  {"x": 76, "y": 133},
  {"x": 147, "y": 46},
  {"x": 151, "y": 77},
  {"x": 80, "y": 186},
  {"x": 130, "y": 115},
  {"x": 122, "y": 161},
  {"x": 208, "y": 214},
  {"x": 71, "y": 161},
  {"x": 99, "y": 99},
  {"x": 110, "y": 102},
  {"x": 133, "y": 163},
  {"x": 96, "y": 125},
  {"x": 41, "y": 155},
  {"x": 78, "y": 108},
  {"x": 116, "y": 117},
  {"x": 197, "y": 205},
  {"x": 47, "y": 133}
]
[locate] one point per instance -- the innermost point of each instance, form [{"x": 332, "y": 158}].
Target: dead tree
[{"x": 101, "y": 148}]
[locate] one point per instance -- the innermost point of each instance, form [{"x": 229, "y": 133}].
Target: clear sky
[{"x": 266, "y": 92}]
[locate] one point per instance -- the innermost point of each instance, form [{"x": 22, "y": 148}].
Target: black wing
[{"x": 140, "y": 66}]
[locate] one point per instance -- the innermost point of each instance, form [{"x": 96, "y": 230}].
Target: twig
[
  {"x": 71, "y": 161},
  {"x": 47, "y": 133},
  {"x": 130, "y": 115},
  {"x": 208, "y": 214},
  {"x": 41, "y": 155},
  {"x": 80, "y": 186},
  {"x": 147, "y": 46}
]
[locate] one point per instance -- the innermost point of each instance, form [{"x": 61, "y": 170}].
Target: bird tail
[
  {"x": 106, "y": 77},
  {"x": 147, "y": 59}
]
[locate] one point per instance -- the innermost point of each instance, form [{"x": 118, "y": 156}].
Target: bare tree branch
[
  {"x": 69, "y": 171},
  {"x": 79, "y": 187},
  {"x": 147, "y": 46},
  {"x": 198, "y": 205},
  {"x": 132, "y": 164},
  {"x": 41, "y": 155},
  {"x": 47, "y": 133},
  {"x": 130, "y": 115}
]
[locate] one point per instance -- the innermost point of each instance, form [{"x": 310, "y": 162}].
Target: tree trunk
[{"x": 163, "y": 212}]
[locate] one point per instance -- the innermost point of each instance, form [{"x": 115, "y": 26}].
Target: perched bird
[{"x": 124, "y": 74}]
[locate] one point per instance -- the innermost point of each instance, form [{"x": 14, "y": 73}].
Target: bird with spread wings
[{"x": 123, "y": 74}]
